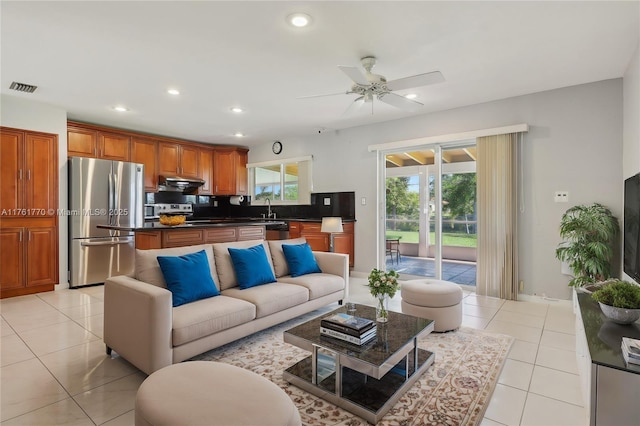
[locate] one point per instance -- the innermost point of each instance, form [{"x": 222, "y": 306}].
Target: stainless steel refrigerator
[{"x": 103, "y": 192}]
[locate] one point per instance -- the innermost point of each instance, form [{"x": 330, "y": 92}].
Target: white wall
[
  {"x": 574, "y": 144},
  {"x": 25, "y": 114},
  {"x": 631, "y": 121}
]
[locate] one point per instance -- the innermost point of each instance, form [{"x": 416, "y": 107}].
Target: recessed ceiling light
[
  {"x": 237, "y": 110},
  {"x": 299, "y": 19},
  {"x": 121, "y": 108},
  {"x": 174, "y": 92},
  {"x": 238, "y": 135},
  {"x": 411, "y": 96}
]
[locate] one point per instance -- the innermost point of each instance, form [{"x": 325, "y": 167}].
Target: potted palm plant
[{"x": 589, "y": 234}]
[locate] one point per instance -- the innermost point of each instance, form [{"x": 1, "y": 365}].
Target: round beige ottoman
[
  {"x": 212, "y": 393},
  {"x": 438, "y": 300}
]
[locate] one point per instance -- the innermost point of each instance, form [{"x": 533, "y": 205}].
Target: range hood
[{"x": 178, "y": 184}]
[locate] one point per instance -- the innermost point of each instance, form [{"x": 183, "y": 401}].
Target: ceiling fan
[{"x": 369, "y": 86}]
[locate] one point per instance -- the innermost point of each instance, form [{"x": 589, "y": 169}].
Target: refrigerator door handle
[
  {"x": 110, "y": 200},
  {"x": 116, "y": 201},
  {"x": 105, "y": 243}
]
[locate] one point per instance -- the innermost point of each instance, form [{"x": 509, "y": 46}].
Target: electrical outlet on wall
[
  {"x": 561, "y": 197},
  {"x": 327, "y": 201},
  {"x": 363, "y": 201}
]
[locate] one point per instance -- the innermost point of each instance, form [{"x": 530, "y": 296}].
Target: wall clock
[{"x": 277, "y": 147}]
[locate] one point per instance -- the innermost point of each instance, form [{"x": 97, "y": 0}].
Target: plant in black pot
[
  {"x": 589, "y": 234},
  {"x": 619, "y": 301}
]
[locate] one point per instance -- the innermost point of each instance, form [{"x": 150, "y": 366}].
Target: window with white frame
[{"x": 282, "y": 182}]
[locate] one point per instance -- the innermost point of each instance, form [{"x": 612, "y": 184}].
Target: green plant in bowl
[{"x": 619, "y": 301}]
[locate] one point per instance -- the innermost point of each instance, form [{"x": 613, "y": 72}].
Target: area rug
[{"x": 455, "y": 390}]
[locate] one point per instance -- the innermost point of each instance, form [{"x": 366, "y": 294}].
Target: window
[{"x": 283, "y": 182}]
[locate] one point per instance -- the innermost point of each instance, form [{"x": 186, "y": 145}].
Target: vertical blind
[{"x": 497, "y": 176}]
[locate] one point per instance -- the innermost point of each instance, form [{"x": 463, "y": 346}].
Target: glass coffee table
[{"x": 366, "y": 380}]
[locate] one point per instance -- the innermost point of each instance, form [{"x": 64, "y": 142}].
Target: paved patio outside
[{"x": 454, "y": 271}]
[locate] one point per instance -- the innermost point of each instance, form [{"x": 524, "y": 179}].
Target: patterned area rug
[{"x": 455, "y": 390}]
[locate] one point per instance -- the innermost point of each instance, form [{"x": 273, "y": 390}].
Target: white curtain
[{"x": 497, "y": 180}]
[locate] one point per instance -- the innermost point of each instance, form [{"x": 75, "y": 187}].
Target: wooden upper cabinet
[
  {"x": 224, "y": 172},
  {"x": 168, "y": 159},
  {"x": 29, "y": 173},
  {"x": 81, "y": 142},
  {"x": 230, "y": 172},
  {"x": 206, "y": 171},
  {"x": 178, "y": 160},
  {"x": 145, "y": 151},
  {"x": 189, "y": 158},
  {"x": 242, "y": 174},
  {"x": 113, "y": 146},
  {"x": 10, "y": 171},
  {"x": 41, "y": 164}
]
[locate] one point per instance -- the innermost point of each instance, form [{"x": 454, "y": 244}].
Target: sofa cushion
[
  {"x": 300, "y": 259},
  {"x": 148, "y": 269},
  {"x": 224, "y": 266},
  {"x": 277, "y": 255},
  {"x": 209, "y": 316},
  {"x": 318, "y": 284},
  {"x": 251, "y": 266},
  {"x": 271, "y": 298},
  {"x": 188, "y": 277}
]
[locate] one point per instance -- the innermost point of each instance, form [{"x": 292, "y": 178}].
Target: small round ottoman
[
  {"x": 438, "y": 300},
  {"x": 212, "y": 393}
]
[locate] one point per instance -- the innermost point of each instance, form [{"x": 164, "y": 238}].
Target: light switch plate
[
  {"x": 363, "y": 201},
  {"x": 327, "y": 201}
]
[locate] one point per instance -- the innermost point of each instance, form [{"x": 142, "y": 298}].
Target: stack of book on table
[
  {"x": 631, "y": 350},
  {"x": 348, "y": 328}
]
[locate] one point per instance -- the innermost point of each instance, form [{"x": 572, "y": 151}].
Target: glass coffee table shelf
[{"x": 366, "y": 380}]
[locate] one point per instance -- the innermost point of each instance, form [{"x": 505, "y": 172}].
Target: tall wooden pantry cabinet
[{"x": 28, "y": 212}]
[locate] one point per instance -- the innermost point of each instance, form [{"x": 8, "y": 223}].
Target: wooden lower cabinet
[
  {"x": 29, "y": 260},
  {"x": 319, "y": 241},
  {"x": 181, "y": 237}
]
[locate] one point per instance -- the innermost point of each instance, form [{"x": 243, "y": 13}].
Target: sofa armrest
[
  {"x": 336, "y": 264},
  {"x": 138, "y": 322}
]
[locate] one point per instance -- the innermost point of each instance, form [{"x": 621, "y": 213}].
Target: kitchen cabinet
[
  {"x": 182, "y": 237},
  {"x": 206, "y": 171},
  {"x": 29, "y": 172},
  {"x": 226, "y": 234},
  {"x": 319, "y": 241},
  {"x": 29, "y": 207},
  {"x": 178, "y": 160},
  {"x": 145, "y": 151},
  {"x": 146, "y": 240},
  {"x": 114, "y": 147},
  {"x": 230, "y": 171},
  {"x": 29, "y": 260},
  {"x": 246, "y": 233},
  {"x": 87, "y": 141}
]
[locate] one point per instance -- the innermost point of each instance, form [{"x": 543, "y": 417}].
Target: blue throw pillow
[
  {"x": 188, "y": 277},
  {"x": 300, "y": 259},
  {"x": 251, "y": 266}
]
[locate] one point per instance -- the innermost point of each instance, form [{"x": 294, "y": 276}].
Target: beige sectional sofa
[{"x": 143, "y": 327}]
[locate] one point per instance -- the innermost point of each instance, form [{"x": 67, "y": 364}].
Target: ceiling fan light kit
[{"x": 369, "y": 85}]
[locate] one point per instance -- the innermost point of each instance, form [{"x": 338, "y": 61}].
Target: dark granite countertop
[
  {"x": 209, "y": 223},
  {"x": 604, "y": 336},
  {"x": 284, "y": 219}
]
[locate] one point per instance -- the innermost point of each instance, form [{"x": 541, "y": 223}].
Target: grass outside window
[{"x": 448, "y": 239}]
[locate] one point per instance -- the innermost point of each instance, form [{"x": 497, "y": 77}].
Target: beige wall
[
  {"x": 574, "y": 144},
  {"x": 22, "y": 113}
]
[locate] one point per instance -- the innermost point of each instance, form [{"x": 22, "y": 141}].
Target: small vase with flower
[{"x": 383, "y": 286}]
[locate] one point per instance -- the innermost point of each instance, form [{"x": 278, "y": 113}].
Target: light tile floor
[{"x": 54, "y": 371}]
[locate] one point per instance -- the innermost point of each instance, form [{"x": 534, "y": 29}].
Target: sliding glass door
[{"x": 430, "y": 200}]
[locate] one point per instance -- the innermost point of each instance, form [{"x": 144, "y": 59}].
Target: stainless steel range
[{"x": 169, "y": 209}]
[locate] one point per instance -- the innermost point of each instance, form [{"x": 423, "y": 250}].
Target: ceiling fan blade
[
  {"x": 320, "y": 96},
  {"x": 355, "y": 74},
  {"x": 399, "y": 101},
  {"x": 354, "y": 106},
  {"x": 416, "y": 81}
]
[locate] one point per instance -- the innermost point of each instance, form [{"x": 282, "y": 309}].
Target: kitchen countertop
[{"x": 205, "y": 223}]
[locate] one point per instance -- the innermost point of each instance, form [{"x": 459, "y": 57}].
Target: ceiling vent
[{"x": 21, "y": 87}]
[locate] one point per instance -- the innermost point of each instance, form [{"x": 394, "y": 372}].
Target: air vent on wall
[{"x": 21, "y": 87}]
